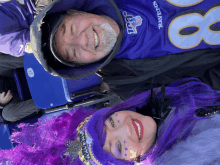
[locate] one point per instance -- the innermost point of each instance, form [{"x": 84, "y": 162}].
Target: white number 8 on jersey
[{"x": 203, "y": 25}]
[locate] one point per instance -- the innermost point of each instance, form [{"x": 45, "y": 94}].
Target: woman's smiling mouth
[{"x": 138, "y": 128}]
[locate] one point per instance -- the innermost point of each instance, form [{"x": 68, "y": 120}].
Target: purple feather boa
[{"x": 44, "y": 141}]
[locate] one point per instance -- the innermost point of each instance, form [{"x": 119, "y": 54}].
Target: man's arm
[{"x": 16, "y": 18}]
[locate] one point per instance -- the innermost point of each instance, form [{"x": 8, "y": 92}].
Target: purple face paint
[{"x": 125, "y": 148}]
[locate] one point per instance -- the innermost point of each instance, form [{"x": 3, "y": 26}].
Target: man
[
  {"x": 158, "y": 40},
  {"x": 164, "y": 40}
]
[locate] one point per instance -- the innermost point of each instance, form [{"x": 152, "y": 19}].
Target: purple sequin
[
  {"x": 118, "y": 121},
  {"x": 125, "y": 154},
  {"x": 126, "y": 149}
]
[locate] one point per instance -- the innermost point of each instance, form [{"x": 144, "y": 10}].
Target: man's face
[{"x": 85, "y": 38}]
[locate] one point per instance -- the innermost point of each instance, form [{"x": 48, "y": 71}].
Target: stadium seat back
[{"x": 48, "y": 91}]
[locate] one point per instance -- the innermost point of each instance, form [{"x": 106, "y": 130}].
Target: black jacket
[{"x": 127, "y": 77}]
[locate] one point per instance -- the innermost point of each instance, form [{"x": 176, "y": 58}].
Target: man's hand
[{"x": 4, "y": 99}]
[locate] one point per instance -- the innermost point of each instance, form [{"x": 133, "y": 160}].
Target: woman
[{"x": 113, "y": 135}]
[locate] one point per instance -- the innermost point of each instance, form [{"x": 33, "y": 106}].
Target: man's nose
[
  {"x": 82, "y": 40},
  {"x": 85, "y": 40}
]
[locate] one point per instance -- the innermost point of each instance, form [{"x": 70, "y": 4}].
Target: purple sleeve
[{"x": 15, "y": 20}]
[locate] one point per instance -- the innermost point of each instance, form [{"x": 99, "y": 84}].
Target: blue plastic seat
[
  {"x": 53, "y": 94},
  {"x": 5, "y": 143},
  {"x": 49, "y": 91}
]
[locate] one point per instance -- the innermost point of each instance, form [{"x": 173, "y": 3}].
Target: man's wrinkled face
[
  {"x": 85, "y": 38},
  {"x": 129, "y": 134}
]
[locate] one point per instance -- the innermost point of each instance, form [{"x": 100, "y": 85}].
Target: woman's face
[{"x": 129, "y": 134}]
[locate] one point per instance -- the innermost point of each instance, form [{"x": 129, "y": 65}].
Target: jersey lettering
[
  {"x": 159, "y": 15},
  {"x": 132, "y": 22},
  {"x": 203, "y": 29}
]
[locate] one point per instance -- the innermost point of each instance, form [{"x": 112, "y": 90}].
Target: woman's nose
[{"x": 128, "y": 125}]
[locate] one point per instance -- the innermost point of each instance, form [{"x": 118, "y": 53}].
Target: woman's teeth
[
  {"x": 96, "y": 39},
  {"x": 139, "y": 129}
]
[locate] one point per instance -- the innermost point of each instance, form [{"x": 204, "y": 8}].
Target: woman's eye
[
  {"x": 111, "y": 122},
  {"x": 119, "y": 146}
]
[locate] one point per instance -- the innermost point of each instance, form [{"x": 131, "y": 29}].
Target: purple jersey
[
  {"x": 153, "y": 27},
  {"x": 162, "y": 27},
  {"x": 16, "y": 18}
]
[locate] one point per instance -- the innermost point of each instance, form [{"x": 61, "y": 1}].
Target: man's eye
[
  {"x": 74, "y": 52},
  {"x": 71, "y": 29},
  {"x": 68, "y": 58},
  {"x": 111, "y": 122}
]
